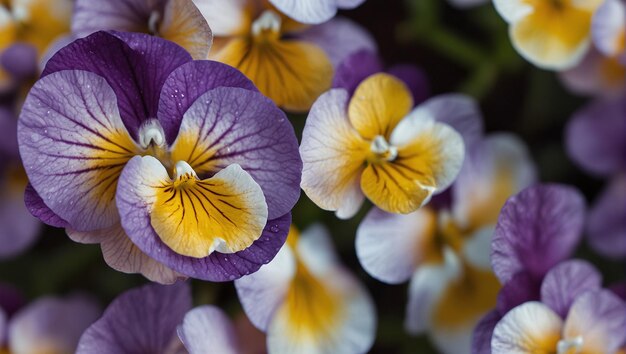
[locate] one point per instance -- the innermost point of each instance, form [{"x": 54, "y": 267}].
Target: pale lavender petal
[
  {"x": 217, "y": 266},
  {"x": 356, "y": 68},
  {"x": 208, "y": 327},
  {"x": 141, "y": 320},
  {"x": 190, "y": 81},
  {"x": 599, "y": 317},
  {"x": 237, "y": 126},
  {"x": 20, "y": 61},
  {"x": 537, "y": 229},
  {"x": 134, "y": 65},
  {"x": 51, "y": 325},
  {"x": 596, "y": 137},
  {"x": 339, "y": 38},
  {"x": 310, "y": 12},
  {"x": 414, "y": 78},
  {"x": 590, "y": 77},
  {"x": 566, "y": 281},
  {"x": 520, "y": 289},
  {"x": 481, "y": 338},
  {"x": 606, "y": 224},
  {"x": 40, "y": 210},
  {"x": 68, "y": 120},
  {"x": 19, "y": 229}
]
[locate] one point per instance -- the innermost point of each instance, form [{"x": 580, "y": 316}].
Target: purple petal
[
  {"x": 217, "y": 266},
  {"x": 238, "y": 126},
  {"x": 122, "y": 15},
  {"x": 8, "y": 133},
  {"x": 134, "y": 65},
  {"x": 19, "y": 229},
  {"x": 40, "y": 210},
  {"x": 20, "y": 61},
  {"x": 520, "y": 289},
  {"x": 339, "y": 38},
  {"x": 141, "y": 320},
  {"x": 537, "y": 229},
  {"x": 566, "y": 281},
  {"x": 481, "y": 338},
  {"x": 356, "y": 68},
  {"x": 619, "y": 289},
  {"x": 190, "y": 81},
  {"x": 51, "y": 324},
  {"x": 606, "y": 224},
  {"x": 596, "y": 137},
  {"x": 414, "y": 78}
]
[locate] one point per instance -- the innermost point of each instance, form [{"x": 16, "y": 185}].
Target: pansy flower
[
  {"x": 574, "y": 316},
  {"x": 306, "y": 301},
  {"x": 596, "y": 141},
  {"x": 289, "y": 62},
  {"x": 376, "y": 145},
  {"x": 47, "y": 325},
  {"x": 313, "y": 12},
  {"x": 176, "y": 20},
  {"x": 445, "y": 251},
  {"x": 174, "y": 166},
  {"x": 537, "y": 229},
  {"x": 550, "y": 34}
]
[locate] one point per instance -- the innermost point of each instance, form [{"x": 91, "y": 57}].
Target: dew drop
[
  {"x": 274, "y": 228},
  {"x": 231, "y": 277}
]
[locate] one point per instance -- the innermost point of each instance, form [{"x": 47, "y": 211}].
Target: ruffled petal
[{"x": 74, "y": 145}]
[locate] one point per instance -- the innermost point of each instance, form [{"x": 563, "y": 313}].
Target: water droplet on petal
[{"x": 274, "y": 228}]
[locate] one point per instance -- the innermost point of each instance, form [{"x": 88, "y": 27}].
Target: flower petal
[
  {"x": 356, "y": 68},
  {"x": 379, "y": 103},
  {"x": 184, "y": 25},
  {"x": 51, "y": 325},
  {"x": 537, "y": 229},
  {"x": 310, "y": 12},
  {"x": 529, "y": 328},
  {"x": 74, "y": 145},
  {"x": 123, "y": 15},
  {"x": 609, "y": 28},
  {"x": 518, "y": 290},
  {"x": 226, "y": 17},
  {"x": 40, "y": 210},
  {"x": 207, "y": 327},
  {"x": 599, "y": 317},
  {"x": 481, "y": 338},
  {"x": 566, "y": 281},
  {"x": 596, "y": 137},
  {"x": 187, "y": 83},
  {"x": 390, "y": 247},
  {"x": 229, "y": 126},
  {"x": 8, "y": 127},
  {"x": 513, "y": 10},
  {"x": 121, "y": 254},
  {"x": 140, "y": 320},
  {"x": 292, "y": 73},
  {"x": 414, "y": 78},
  {"x": 333, "y": 154},
  {"x": 606, "y": 225},
  {"x": 134, "y": 65}
]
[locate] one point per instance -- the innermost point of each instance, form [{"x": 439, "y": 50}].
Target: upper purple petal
[
  {"x": 190, "y": 81},
  {"x": 40, "y": 210},
  {"x": 141, "y": 320},
  {"x": 518, "y": 290},
  {"x": 414, "y": 78},
  {"x": 135, "y": 65},
  {"x": 566, "y": 281},
  {"x": 481, "y": 338},
  {"x": 356, "y": 68},
  {"x": 606, "y": 223},
  {"x": 596, "y": 137},
  {"x": 537, "y": 229}
]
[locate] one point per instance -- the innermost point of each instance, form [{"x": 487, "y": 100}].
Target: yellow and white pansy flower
[
  {"x": 307, "y": 302},
  {"x": 551, "y": 34},
  {"x": 445, "y": 252},
  {"x": 289, "y": 62},
  {"x": 376, "y": 145}
]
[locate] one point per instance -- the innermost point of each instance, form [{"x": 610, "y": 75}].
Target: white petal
[{"x": 207, "y": 330}]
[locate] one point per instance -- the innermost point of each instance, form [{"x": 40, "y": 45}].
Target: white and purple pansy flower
[
  {"x": 177, "y": 167},
  {"x": 47, "y": 325},
  {"x": 574, "y": 315},
  {"x": 538, "y": 228}
]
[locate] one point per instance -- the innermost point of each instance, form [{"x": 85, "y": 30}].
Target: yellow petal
[
  {"x": 553, "y": 37},
  {"x": 292, "y": 73},
  {"x": 378, "y": 104},
  {"x": 226, "y": 212},
  {"x": 8, "y": 28},
  {"x": 183, "y": 24}
]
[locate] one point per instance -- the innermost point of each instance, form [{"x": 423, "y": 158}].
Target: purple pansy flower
[
  {"x": 177, "y": 167},
  {"x": 47, "y": 325},
  {"x": 537, "y": 229},
  {"x": 596, "y": 141},
  {"x": 179, "y": 21},
  {"x": 574, "y": 315}
]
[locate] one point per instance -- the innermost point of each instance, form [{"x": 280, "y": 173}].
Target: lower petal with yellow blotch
[{"x": 315, "y": 306}]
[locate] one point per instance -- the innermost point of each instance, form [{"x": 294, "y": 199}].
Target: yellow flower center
[{"x": 381, "y": 150}]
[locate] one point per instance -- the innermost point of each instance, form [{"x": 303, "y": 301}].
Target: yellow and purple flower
[
  {"x": 177, "y": 167},
  {"x": 307, "y": 302},
  {"x": 288, "y": 61}
]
